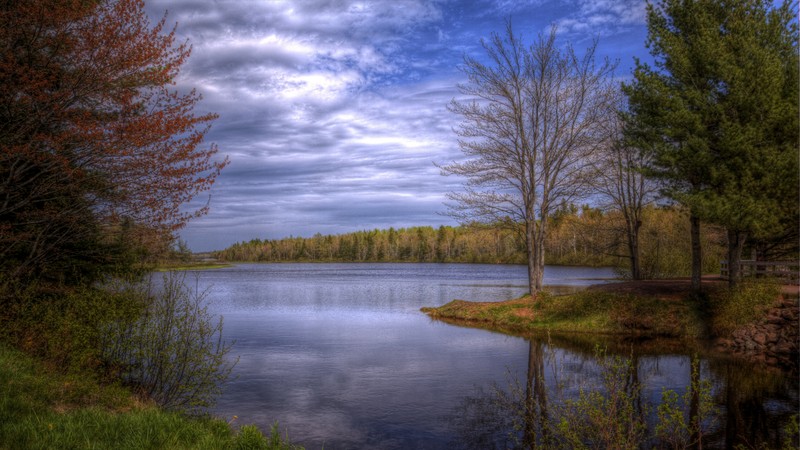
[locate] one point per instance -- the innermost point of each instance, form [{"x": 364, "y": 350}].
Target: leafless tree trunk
[
  {"x": 736, "y": 241},
  {"x": 619, "y": 179},
  {"x": 697, "y": 254},
  {"x": 532, "y": 121}
]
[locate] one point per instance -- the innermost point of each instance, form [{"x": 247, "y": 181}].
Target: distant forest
[{"x": 576, "y": 236}]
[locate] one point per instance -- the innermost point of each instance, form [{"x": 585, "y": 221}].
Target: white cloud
[
  {"x": 603, "y": 17},
  {"x": 333, "y": 111}
]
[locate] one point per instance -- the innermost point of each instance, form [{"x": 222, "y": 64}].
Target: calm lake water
[{"x": 341, "y": 357}]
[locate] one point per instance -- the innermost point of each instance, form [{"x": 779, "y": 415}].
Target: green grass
[
  {"x": 582, "y": 312},
  {"x": 715, "y": 314},
  {"x": 43, "y": 410},
  {"x": 733, "y": 309}
]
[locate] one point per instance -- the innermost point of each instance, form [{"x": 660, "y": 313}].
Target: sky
[{"x": 333, "y": 112}]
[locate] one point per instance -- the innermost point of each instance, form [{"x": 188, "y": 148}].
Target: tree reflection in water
[{"x": 577, "y": 399}]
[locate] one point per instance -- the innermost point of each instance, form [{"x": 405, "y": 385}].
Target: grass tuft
[
  {"x": 44, "y": 410},
  {"x": 582, "y": 312},
  {"x": 744, "y": 305}
]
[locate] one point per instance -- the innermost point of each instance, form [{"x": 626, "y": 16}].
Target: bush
[
  {"x": 64, "y": 326},
  {"x": 603, "y": 408},
  {"x": 745, "y": 304},
  {"x": 38, "y": 411},
  {"x": 173, "y": 352},
  {"x": 609, "y": 417}
]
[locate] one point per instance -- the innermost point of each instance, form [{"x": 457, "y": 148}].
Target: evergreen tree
[{"x": 719, "y": 112}]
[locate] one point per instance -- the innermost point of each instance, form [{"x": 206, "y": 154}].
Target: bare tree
[
  {"x": 621, "y": 183},
  {"x": 533, "y": 122}
]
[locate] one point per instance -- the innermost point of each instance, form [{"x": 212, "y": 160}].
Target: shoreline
[{"x": 650, "y": 309}]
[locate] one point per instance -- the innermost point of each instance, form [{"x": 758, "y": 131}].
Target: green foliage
[
  {"x": 611, "y": 417},
  {"x": 415, "y": 244},
  {"x": 665, "y": 246},
  {"x": 575, "y": 237},
  {"x": 588, "y": 311},
  {"x": 719, "y": 112},
  {"x": 174, "y": 351},
  {"x": 251, "y": 438},
  {"x": 607, "y": 412},
  {"x": 742, "y": 305},
  {"x": 162, "y": 341},
  {"x": 682, "y": 423},
  {"x": 38, "y": 409},
  {"x": 65, "y": 326},
  {"x": 793, "y": 432}
]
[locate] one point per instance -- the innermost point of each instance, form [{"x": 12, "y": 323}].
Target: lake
[{"x": 340, "y": 356}]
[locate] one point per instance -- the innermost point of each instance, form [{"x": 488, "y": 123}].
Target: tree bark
[
  {"x": 697, "y": 256},
  {"x": 535, "y": 245},
  {"x": 735, "y": 245},
  {"x": 633, "y": 249},
  {"x": 531, "y": 254}
]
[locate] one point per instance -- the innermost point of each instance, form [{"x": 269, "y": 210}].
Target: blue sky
[{"x": 333, "y": 112}]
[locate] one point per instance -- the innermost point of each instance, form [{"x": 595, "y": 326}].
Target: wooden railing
[{"x": 759, "y": 269}]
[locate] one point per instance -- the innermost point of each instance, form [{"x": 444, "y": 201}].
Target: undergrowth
[{"x": 40, "y": 409}]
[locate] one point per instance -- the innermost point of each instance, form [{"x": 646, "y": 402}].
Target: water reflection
[
  {"x": 340, "y": 356},
  {"x": 619, "y": 396}
]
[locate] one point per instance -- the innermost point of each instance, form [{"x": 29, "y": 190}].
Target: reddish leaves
[{"x": 91, "y": 124}]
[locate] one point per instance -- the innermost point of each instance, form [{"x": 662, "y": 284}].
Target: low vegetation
[
  {"x": 40, "y": 408},
  {"x": 583, "y": 312},
  {"x": 645, "y": 308},
  {"x": 603, "y": 407},
  {"x": 732, "y": 309}
]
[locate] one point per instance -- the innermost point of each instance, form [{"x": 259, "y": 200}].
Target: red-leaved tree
[{"x": 97, "y": 145}]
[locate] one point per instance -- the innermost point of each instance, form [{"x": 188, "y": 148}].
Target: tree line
[{"x": 578, "y": 236}]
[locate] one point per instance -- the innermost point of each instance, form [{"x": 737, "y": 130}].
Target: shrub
[
  {"x": 744, "y": 304},
  {"x": 174, "y": 352},
  {"x": 609, "y": 417},
  {"x": 64, "y": 326}
]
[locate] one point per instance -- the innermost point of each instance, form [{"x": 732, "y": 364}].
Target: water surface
[{"x": 340, "y": 356}]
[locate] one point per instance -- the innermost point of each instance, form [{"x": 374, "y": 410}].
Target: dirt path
[{"x": 678, "y": 288}]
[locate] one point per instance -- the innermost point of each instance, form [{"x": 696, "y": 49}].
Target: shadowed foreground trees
[
  {"x": 98, "y": 151},
  {"x": 719, "y": 111},
  {"x": 621, "y": 183}
]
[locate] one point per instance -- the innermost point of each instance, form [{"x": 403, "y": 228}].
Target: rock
[
  {"x": 773, "y": 318},
  {"x": 788, "y": 303},
  {"x": 784, "y": 348}
]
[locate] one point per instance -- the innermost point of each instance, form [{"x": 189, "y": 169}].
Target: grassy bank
[
  {"x": 637, "y": 308},
  {"x": 44, "y": 410}
]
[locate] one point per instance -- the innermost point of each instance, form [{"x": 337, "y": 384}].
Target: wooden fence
[{"x": 759, "y": 269}]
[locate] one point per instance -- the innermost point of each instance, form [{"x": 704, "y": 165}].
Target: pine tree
[{"x": 719, "y": 112}]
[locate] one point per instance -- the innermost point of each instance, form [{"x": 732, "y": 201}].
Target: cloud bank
[{"x": 333, "y": 112}]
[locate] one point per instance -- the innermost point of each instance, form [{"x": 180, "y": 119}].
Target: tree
[
  {"x": 533, "y": 122},
  {"x": 95, "y": 142},
  {"x": 720, "y": 111},
  {"x": 619, "y": 178}
]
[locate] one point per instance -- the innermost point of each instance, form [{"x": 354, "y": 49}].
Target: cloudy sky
[{"x": 332, "y": 112}]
